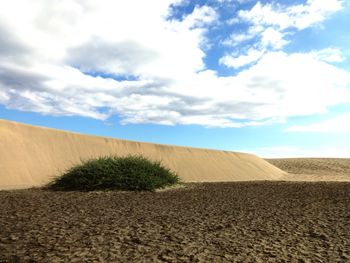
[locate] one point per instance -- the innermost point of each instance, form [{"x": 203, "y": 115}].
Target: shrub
[{"x": 135, "y": 173}]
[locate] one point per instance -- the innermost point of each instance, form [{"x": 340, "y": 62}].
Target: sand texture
[
  {"x": 209, "y": 222},
  {"x": 314, "y": 169},
  {"x": 32, "y": 156}
]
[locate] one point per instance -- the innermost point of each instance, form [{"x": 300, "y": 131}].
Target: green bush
[{"x": 134, "y": 173}]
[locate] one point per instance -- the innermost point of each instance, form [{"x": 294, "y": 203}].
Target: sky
[{"x": 266, "y": 77}]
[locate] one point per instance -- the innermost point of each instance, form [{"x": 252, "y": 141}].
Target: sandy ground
[
  {"x": 210, "y": 222},
  {"x": 314, "y": 169}
]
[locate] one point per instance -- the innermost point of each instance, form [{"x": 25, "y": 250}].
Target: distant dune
[
  {"x": 314, "y": 169},
  {"x": 32, "y": 156}
]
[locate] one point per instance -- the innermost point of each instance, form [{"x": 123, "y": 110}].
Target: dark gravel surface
[{"x": 212, "y": 222}]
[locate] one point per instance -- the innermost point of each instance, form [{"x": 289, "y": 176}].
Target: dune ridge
[
  {"x": 314, "y": 169},
  {"x": 32, "y": 156}
]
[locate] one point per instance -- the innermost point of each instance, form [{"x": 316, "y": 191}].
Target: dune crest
[
  {"x": 32, "y": 156},
  {"x": 314, "y": 169}
]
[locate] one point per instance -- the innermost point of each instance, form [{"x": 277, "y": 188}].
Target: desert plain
[{"x": 242, "y": 209}]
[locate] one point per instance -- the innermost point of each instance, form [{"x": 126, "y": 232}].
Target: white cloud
[
  {"x": 291, "y": 85},
  {"x": 276, "y": 87},
  {"x": 314, "y": 11},
  {"x": 329, "y": 55},
  {"x": 266, "y": 15},
  {"x": 232, "y": 61},
  {"x": 273, "y": 38},
  {"x": 276, "y": 21},
  {"x": 296, "y": 16},
  {"x": 3, "y": 97},
  {"x": 49, "y": 50},
  {"x": 200, "y": 17},
  {"x": 337, "y": 124},
  {"x": 122, "y": 36},
  {"x": 232, "y": 21},
  {"x": 236, "y": 39}
]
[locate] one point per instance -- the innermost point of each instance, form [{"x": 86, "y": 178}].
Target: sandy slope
[
  {"x": 314, "y": 169},
  {"x": 31, "y": 156}
]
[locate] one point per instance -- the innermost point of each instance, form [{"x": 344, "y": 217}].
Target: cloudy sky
[{"x": 269, "y": 77}]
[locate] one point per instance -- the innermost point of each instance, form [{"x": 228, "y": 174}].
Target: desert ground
[
  {"x": 314, "y": 169},
  {"x": 276, "y": 210},
  {"x": 201, "y": 222}
]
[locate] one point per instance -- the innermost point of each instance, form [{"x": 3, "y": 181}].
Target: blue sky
[{"x": 268, "y": 77}]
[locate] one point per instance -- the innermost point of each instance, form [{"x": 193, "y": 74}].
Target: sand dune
[
  {"x": 32, "y": 156},
  {"x": 314, "y": 169}
]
